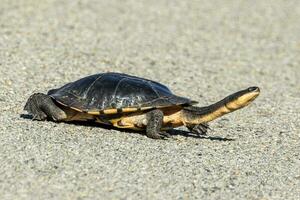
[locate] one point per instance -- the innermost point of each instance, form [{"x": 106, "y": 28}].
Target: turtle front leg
[
  {"x": 41, "y": 106},
  {"x": 199, "y": 129},
  {"x": 154, "y": 124}
]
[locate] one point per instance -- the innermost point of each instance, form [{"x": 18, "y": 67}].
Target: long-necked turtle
[{"x": 126, "y": 101}]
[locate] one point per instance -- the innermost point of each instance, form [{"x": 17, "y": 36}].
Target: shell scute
[{"x": 111, "y": 93}]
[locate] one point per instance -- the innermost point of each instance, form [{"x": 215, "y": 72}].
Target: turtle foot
[
  {"x": 199, "y": 129},
  {"x": 41, "y": 107}
]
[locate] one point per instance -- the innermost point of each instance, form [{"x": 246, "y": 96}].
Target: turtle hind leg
[
  {"x": 154, "y": 123},
  {"x": 41, "y": 106},
  {"x": 199, "y": 129}
]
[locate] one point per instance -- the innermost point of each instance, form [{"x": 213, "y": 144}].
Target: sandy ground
[{"x": 204, "y": 50}]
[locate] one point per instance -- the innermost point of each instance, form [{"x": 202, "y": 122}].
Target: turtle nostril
[{"x": 252, "y": 89}]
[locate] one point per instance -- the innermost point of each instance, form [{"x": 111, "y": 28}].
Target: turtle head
[
  {"x": 229, "y": 104},
  {"x": 242, "y": 98}
]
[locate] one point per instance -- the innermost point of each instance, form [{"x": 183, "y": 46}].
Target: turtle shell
[{"x": 110, "y": 93}]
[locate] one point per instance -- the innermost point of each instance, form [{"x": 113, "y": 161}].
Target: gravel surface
[{"x": 204, "y": 50}]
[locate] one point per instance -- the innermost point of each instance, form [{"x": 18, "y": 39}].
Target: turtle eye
[{"x": 252, "y": 89}]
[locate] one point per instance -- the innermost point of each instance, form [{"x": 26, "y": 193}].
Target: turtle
[{"x": 131, "y": 102}]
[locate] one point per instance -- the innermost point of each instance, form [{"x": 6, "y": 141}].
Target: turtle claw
[
  {"x": 40, "y": 116},
  {"x": 199, "y": 129},
  {"x": 164, "y": 135},
  {"x": 159, "y": 135}
]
